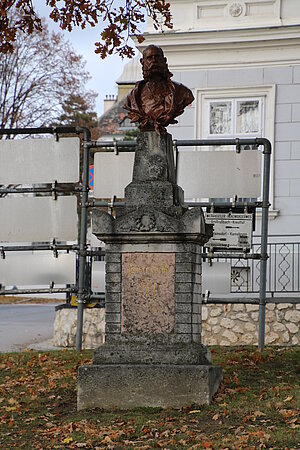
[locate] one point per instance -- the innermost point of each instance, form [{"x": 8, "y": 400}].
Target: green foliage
[
  {"x": 77, "y": 111},
  {"x": 131, "y": 135}
]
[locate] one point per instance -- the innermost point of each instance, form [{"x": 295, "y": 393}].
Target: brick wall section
[
  {"x": 188, "y": 292},
  {"x": 187, "y": 288},
  {"x": 113, "y": 283}
]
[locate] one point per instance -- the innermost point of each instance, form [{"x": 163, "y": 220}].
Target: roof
[
  {"x": 132, "y": 72},
  {"x": 113, "y": 122}
]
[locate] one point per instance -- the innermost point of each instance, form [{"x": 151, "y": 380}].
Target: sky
[{"x": 104, "y": 73}]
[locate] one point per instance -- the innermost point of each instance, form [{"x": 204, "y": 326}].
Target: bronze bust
[{"x": 156, "y": 100}]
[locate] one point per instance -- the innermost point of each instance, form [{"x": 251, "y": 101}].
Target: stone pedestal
[{"x": 153, "y": 354}]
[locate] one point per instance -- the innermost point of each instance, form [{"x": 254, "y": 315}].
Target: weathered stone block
[
  {"x": 184, "y": 258},
  {"x": 112, "y": 328},
  {"x": 232, "y": 338},
  {"x": 113, "y": 277},
  {"x": 293, "y": 328},
  {"x": 185, "y": 308},
  {"x": 113, "y": 267},
  {"x": 112, "y": 257},
  {"x": 184, "y": 267},
  {"x": 150, "y": 349},
  {"x": 214, "y": 312},
  {"x": 184, "y": 277},
  {"x": 183, "y": 287},
  {"x": 129, "y": 386},
  {"x": 278, "y": 327},
  {"x": 182, "y": 328},
  {"x": 250, "y": 326},
  {"x": 184, "y": 318},
  {"x": 113, "y": 308},
  {"x": 292, "y": 316},
  {"x": 113, "y": 317},
  {"x": 281, "y": 306},
  {"x": 197, "y": 308},
  {"x": 113, "y": 288},
  {"x": 112, "y": 297},
  {"x": 183, "y": 297}
]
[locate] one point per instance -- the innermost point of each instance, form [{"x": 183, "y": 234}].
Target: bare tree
[
  {"x": 121, "y": 19},
  {"x": 37, "y": 78}
]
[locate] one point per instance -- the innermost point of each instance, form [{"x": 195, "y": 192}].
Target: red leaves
[
  {"x": 121, "y": 21},
  {"x": 26, "y": 22}
]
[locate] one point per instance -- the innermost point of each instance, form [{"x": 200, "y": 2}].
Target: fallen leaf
[
  {"x": 106, "y": 440},
  {"x": 11, "y": 422},
  {"x": 215, "y": 417},
  {"x": 67, "y": 440},
  {"x": 10, "y": 408},
  {"x": 195, "y": 411},
  {"x": 288, "y": 399},
  {"x": 258, "y": 414}
]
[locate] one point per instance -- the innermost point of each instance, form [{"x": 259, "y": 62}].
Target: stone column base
[{"x": 127, "y": 386}]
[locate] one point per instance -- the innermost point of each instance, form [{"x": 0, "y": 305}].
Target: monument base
[
  {"x": 127, "y": 386},
  {"x": 151, "y": 371},
  {"x": 152, "y": 356}
]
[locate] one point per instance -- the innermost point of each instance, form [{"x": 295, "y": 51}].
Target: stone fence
[{"x": 221, "y": 325}]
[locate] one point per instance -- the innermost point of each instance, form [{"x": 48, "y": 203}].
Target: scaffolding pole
[{"x": 83, "y": 235}]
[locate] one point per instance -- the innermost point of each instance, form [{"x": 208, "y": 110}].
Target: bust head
[
  {"x": 154, "y": 63},
  {"x": 156, "y": 101}
]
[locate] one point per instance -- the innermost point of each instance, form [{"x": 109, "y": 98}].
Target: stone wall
[
  {"x": 238, "y": 324},
  {"x": 66, "y": 322},
  {"x": 221, "y": 325}
]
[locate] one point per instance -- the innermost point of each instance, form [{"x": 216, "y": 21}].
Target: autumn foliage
[
  {"x": 121, "y": 19},
  {"x": 39, "y": 77},
  {"x": 257, "y": 407}
]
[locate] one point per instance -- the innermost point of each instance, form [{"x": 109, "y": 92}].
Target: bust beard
[{"x": 163, "y": 72}]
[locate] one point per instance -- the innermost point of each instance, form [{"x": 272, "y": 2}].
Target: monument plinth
[{"x": 153, "y": 354}]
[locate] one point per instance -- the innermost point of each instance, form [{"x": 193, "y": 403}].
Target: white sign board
[
  {"x": 29, "y": 161},
  {"x": 112, "y": 174},
  {"x": 220, "y": 174},
  {"x": 98, "y": 276},
  {"x": 216, "y": 277},
  {"x": 231, "y": 231},
  {"x": 38, "y": 219},
  {"x": 39, "y": 268}
]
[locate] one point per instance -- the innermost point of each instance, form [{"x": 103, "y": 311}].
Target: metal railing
[{"x": 283, "y": 268}]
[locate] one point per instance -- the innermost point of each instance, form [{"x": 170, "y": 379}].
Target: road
[{"x": 23, "y": 326}]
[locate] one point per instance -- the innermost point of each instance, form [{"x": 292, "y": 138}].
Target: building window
[
  {"x": 234, "y": 117},
  {"x": 236, "y": 112}
]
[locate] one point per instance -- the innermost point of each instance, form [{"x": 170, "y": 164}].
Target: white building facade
[{"x": 242, "y": 61}]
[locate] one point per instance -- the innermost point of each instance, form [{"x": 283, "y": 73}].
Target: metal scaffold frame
[
  {"x": 80, "y": 249},
  {"x": 83, "y": 288},
  {"x": 264, "y": 204}
]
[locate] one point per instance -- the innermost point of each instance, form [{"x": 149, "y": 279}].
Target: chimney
[{"x": 109, "y": 101}]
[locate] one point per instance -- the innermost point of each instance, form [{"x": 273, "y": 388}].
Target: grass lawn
[{"x": 255, "y": 408}]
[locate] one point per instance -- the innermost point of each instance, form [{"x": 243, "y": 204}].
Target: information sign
[
  {"x": 91, "y": 177},
  {"x": 231, "y": 231}
]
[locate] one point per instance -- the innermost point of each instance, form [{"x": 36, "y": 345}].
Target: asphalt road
[{"x": 24, "y": 326}]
